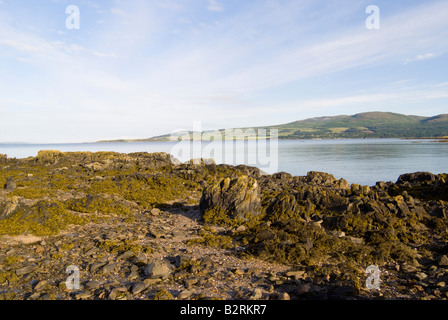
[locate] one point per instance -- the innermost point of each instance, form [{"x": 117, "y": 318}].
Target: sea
[{"x": 362, "y": 161}]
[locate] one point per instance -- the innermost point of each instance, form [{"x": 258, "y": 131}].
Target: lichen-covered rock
[
  {"x": 285, "y": 206},
  {"x": 10, "y": 185},
  {"x": 326, "y": 179},
  {"x": 8, "y": 207},
  {"x": 49, "y": 156},
  {"x": 238, "y": 197}
]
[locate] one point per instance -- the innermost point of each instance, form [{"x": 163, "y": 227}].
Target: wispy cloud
[
  {"x": 150, "y": 67},
  {"x": 118, "y": 12},
  {"x": 421, "y": 57},
  {"x": 214, "y": 5}
]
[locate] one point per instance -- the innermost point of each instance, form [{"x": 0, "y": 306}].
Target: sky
[{"x": 141, "y": 68}]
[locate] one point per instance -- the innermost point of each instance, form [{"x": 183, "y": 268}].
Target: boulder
[
  {"x": 238, "y": 197},
  {"x": 416, "y": 178},
  {"x": 157, "y": 269},
  {"x": 320, "y": 178}
]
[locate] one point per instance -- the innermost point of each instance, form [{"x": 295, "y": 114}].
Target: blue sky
[{"x": 136, "y": 68}]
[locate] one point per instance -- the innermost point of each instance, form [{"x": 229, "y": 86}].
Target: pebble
[
  {"x": 96, "y": 266},
  {"x": 40, "y": 285},
  {"x": 92, "y": 285},
  {"x": 126, "y": 255},
  {"x": 39, "y": 250},
  {"x": 185, "y": 294},
  {"x": 24, "y": 270},
  {"x": 190, "y": 282},
  {"x": 443, "y": 261},
  {"x": 408, "y": 268},
  {"x": 138, "y": 287},
  {"x": 109, "y": 267},
  {"x": 157, "y": 269},
  {"x": 257, "y": 294},
  {"x": 155, "y": 212},
  {"x": 284, "y": 296},
  {"x": 238, "y": 272},
  {"x": 83, "y": 295}
]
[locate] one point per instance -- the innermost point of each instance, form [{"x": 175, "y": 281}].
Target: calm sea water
[{"x": 363, "y": 161}]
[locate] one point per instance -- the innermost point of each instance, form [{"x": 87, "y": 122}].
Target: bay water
[{"x": 363, "y": 161}]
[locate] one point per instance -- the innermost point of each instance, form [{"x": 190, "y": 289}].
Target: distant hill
[
  {"x": 361, "y": 125},
  {"x": 366, "y": 125}
]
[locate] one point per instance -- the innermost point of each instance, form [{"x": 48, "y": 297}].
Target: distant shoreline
[{"x": 440, "y": 139}]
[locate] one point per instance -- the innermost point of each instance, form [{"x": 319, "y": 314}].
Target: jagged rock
[
  {"x": 237, "y": 197},
  {"x": 401, "y": 204},
  {"x": 284, "y": 203},
  {"x": 396, "y": 226},
  {"x": 9, "y": 206},
  {"x": 416, "y": 178},
  {"x": 377, "y": 207},
  {"x": 320, "y": 178}
]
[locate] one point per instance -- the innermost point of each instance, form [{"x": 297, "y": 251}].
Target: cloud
[
  {"x": 118, "y": 12},
  {"x": 168, "y": 4},
  {"x": 218, "y": 69},
  {"x": 421, "y": 57},
  {"x": 256, "y": 52},
  {"x": 214, "y": 5}
]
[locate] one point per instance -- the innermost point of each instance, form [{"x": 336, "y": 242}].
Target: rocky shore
[{"x": 146, "y": 227}]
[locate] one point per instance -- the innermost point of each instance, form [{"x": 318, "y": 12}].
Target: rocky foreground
[{"x": 144, "y": 226}]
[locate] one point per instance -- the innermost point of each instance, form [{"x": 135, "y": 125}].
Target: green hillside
[
  {"x": 362, "y": 125},
  {"x": 366, "y": 125}
]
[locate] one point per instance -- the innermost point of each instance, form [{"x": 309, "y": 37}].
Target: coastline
[{"x": 140, "y": 226}]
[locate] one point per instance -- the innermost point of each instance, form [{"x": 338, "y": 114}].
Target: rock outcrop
[
  {"x": 238, "y": 197},
  {"x": 145, "y": 226}
]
